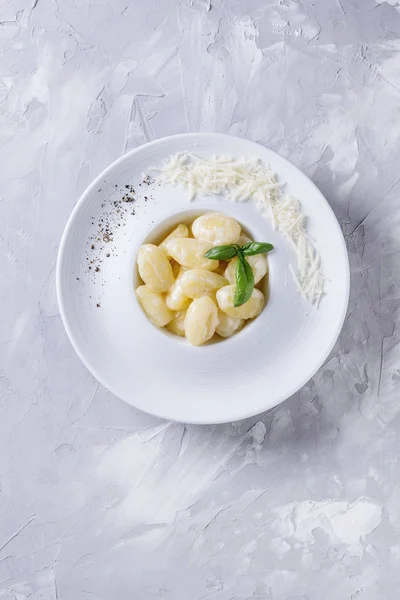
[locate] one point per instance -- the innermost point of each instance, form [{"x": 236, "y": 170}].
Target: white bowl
[{"x": 160, "y": 373}]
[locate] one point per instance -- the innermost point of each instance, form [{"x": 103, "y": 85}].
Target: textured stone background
[{"x": 99, "y": 501}]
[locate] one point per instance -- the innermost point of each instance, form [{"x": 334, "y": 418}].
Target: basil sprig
[
  {"x": 244, "y": 272},
  {"x": 223, "y": 252},
  {"x": 253, "y": 248},
  {"x": 244, "y": 281}
]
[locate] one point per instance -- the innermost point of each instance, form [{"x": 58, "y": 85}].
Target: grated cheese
[{"x": 248, "y": 179}]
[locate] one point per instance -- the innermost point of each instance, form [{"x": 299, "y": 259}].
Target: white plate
[{"x": 159, "y": 373}]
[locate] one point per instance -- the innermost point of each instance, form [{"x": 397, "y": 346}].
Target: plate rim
[{"x": 63, "y": 313}]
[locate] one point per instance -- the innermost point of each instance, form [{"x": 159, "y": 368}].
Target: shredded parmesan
[{"x": 243, "y": 180}]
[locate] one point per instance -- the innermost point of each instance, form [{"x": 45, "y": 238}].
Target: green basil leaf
[
  {"x": 222, "y": 252},
  {"x": 244, "y": 281},
  {"x": 253, "y": 248}
]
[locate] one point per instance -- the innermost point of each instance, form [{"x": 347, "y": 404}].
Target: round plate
[{"x": 160, "y": 373}]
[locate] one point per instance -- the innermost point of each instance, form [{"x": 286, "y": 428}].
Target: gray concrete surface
[{"x": 99, "y": 501}]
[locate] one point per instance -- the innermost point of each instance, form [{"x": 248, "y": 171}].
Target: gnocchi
[
  {"x": 154, "y": 306},
  {"x": 154, "y": 268},
  {"x": 177, "y": 325},
  {"x": 190, "y": 253},
  {"x": 198, "y": 282},
  {"x": 249, "y": 310},
  {"x": 227, "y": 325},
  {"x": 176, "y": 299},
  {"x": 244, "y": 239},
  {"x": 181, "y": 231},
  {"x": 200, "y": 321},
  {"x": 217, "y": 229},
  {"x": 258, "y": 263},
  {"x": 193, "y": 296}
]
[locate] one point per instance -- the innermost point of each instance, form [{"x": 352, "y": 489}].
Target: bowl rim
[{"x": 243, "y": 414}]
